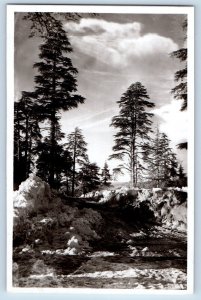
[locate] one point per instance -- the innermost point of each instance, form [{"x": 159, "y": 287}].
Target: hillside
[{"x": 122, "y": 238}]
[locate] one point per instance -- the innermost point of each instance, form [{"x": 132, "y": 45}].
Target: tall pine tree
[
  {"x": 56, "y": 85},
  {"x": 134, "y": 126},
  {"x": 77, "y": 147},
  {"x": 26, "y": 135},
  {"x": 61, "y": 158}
]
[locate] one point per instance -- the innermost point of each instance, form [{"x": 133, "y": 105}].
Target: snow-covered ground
[{"x": 101, "y": 247}]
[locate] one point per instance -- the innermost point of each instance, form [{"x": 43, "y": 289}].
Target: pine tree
[
  {"x": 44, "y": 22},
  {"x": 182, "y": 178},
  {"x": 55, "y": 85},
  {"x": 162, "y": 164},
  {"x": 44, "y": 164},
  {"x": 105, "y": 175},
  {"x": 134, "y": 126},
  {"x": 63, "y": 165},
  {"x": 180, "y": 90},
  {"x": 89, "y": 177},
  {"x": 26, "y": 135},
  {"x": 152, "y": 157},
  {"x": 77, "y": 147},
  {"x": 66, "y": 182}
]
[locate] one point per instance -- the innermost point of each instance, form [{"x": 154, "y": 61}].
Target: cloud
[
  {"x": 174, "y": 122},
  {"x": 117, "y": 44},
  {"x": 88, "y": 26}
]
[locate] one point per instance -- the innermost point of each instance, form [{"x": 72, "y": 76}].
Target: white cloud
[
  {"x": 174, "y": 122},
  {"x": 89, "y": 26},
  {"x": 115, "y": 43}
]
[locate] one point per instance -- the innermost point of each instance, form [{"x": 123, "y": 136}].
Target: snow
[
  {"x": 182, "y": 189},
  {"x": 168, "y": 205},
  {"x": 32, "y": 194},
  {"x": 19, "y": 200},
  {"x": 171, "y": 275},
  {"x": 74, "y": 241},
  {"x": 102, "y": 254},
  {"x": 138, "y": 234},
  {"x": 27, "y": 249},
  {"x": 82, "y": 226},
  {"x": 139, "y": 252},
  {"x": 46, "y": 220},
  {"x": 38, "y": 241},
  {"x": 81, "y": 230},
  {"x": 41, "y": 276},
  {"x": 48, "y": 252},
  {"x": 156, "y": 189},
  {"x": 68, "y": 251}
]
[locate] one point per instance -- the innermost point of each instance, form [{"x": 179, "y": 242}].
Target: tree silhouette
[
  {"x": 41, "y": 23},
  {"x": 89, "y": 177},
  {"x": 182, "y": 178},
  {"x": 180, "y": 90},
  {"x": 134, "y": 126},
  {"x": 105, "y": 175},
  {"x": 162, "y": 164},
  {"x": 56, "y": 85},
  {"x": 77, "y": 147},
  {"x": 26, "y": 135},
  {"x": 62, "y": 159}
]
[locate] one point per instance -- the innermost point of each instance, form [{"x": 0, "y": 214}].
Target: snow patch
[
  {"x": 46, "y": 220},
  {"x": 172, "y": 275},
  {"x": 32, "y": 194},
  {"x": 102, "y": 254},
  {"x": 41, "y": 276},
  {"x": 27, "y": 249},
  {"x": 156, "y": 189}
]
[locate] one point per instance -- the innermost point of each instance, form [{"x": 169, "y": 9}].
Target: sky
[{"x": 112, "y": 51}]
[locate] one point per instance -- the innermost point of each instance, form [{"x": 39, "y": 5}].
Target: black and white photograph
[{"x": 100, "y": 150}]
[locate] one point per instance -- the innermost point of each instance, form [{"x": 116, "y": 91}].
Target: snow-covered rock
[
  {"x": 32, "y": 194},
  {"x": 169, "y": 205}
]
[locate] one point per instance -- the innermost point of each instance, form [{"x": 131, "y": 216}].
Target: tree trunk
[
  {"x": 52, "y": 152},
  {"x": 74, "y": 161},
  {"x": 53, "y": 129},
  {"x": 29, "y": 153},
  {"x": 26, "y": 145}
]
